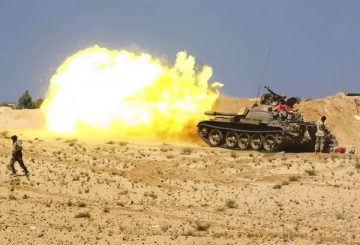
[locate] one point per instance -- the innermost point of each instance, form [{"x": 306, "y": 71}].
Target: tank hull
[{"x": 246, "y": 134}]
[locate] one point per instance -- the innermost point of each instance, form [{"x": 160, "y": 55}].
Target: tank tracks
[{"x": 239, "y": 139}]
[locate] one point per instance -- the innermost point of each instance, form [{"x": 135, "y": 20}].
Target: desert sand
[{"x": 121, "y": 191}]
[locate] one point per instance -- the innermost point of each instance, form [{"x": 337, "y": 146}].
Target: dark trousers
[{"x": 20, "y": 161}]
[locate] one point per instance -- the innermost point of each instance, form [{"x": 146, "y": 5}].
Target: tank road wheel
[
  {"x": 256, "y": 141},
  {"x": 243, "y": 141},
  {"x": 203, "y": 131},
  {"x": 270, "y": 143},
  {"x": 278, "y": 139},
  {"x": 215, "y": 137},
  {"x": 230, "y": 139}
]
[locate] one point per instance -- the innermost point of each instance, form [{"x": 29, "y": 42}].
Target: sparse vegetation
[
  {"x": 233, "y": 155},
  {"x": 310, "y": 172},
  {"x": 82, "y": 215},
  {"x": 339, "y": 215},
  {"x": 151, "y": 194},
  {"x": 231, "y": 204},
  {"x": 164, "y": 228},
  {"x": 188, "y": 233},
  {"x": 187, "y": 151},
  {"x": 202, "y": 226},
  {"x": 5, "y": 134},
  {"x": 294, "y": 178},
  {"x": 123, "y": 143},
  {"x": 163, "y": 149},
  {"x": 81, "y": 205}
]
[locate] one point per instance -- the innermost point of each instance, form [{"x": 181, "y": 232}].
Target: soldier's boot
[
  {"x": 22, "y": 165},
  {"x": 12, "y": 167}
]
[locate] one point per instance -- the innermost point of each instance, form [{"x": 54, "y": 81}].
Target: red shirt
[{"x": 281, "y": 107}]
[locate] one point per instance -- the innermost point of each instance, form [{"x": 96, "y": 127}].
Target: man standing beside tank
[
  {"x": 17, "y": 156},
  {"x": 320, "y": 134}
]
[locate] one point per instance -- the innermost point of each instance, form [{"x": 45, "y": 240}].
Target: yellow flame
[{"x": 119, "y": 93}]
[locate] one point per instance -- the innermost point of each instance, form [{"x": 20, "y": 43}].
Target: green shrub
[{"x": 25, "y": 102}]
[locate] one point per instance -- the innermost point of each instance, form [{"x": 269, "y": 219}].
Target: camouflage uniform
[
  {"x": 17, "y": 157},
  {"x": 320, "y": 134}
]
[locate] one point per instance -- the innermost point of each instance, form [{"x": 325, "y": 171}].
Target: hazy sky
[{"x": 316, "y": 48}]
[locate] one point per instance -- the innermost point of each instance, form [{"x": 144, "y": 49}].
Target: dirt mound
[
  {"x": 20, "y": 119},
  {"x": 339, "y": 109}
]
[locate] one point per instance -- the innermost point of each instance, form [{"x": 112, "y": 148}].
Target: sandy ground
[{"x": 121, "y": 192}]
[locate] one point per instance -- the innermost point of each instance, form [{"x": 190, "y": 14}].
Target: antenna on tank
[{"x": 264, "y": 69}]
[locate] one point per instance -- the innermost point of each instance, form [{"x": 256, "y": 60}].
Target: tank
[{"x": 273, "y": 125}]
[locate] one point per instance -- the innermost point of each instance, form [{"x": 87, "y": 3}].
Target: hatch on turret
[{"x": 262, "y": 113}]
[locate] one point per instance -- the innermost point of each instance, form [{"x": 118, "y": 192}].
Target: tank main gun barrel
[
  {"x": 214, "y": 113},
  {"x": 353, "y": 94}
]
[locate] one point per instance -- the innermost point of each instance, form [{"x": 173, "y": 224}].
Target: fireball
[{"x": 98, "y": 91}]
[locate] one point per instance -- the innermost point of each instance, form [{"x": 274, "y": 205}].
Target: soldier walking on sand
[
  {"x": 320, "y": 134},
  {"x": 17, "y": 156}
]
